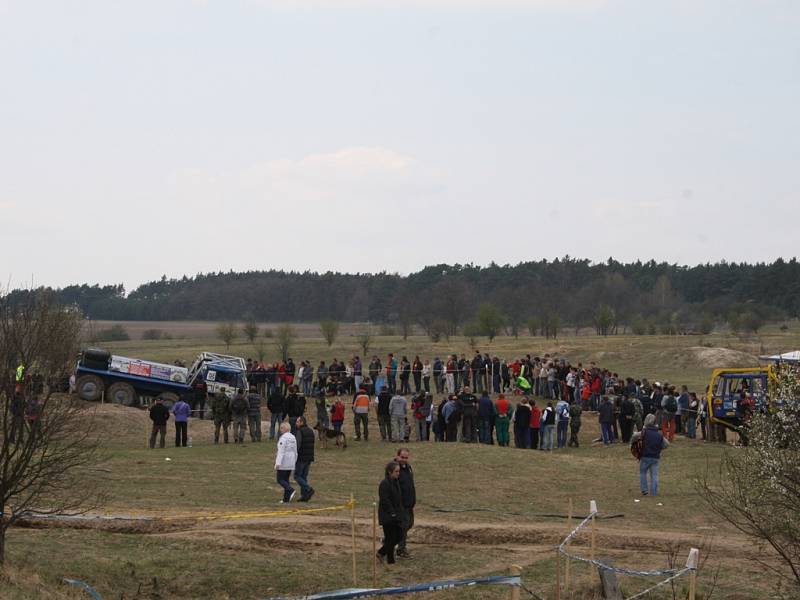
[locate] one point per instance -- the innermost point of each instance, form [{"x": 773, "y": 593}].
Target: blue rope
[
  {"x": 82, "y": 584},
  {"x": 433, "y": 586}
]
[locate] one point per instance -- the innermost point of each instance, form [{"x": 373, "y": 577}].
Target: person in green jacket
[
  {"x": 503, "y": 409},
  {"x": 574, "y": 423}
]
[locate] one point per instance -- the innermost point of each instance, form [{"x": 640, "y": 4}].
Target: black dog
[{"x": 324, "y": 434}]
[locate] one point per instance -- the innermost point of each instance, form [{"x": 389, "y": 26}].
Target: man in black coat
[
  {"x": 305, "y": 456},
  {"x": 159, "y": 415},
  {"x": 408, "y": 493}
]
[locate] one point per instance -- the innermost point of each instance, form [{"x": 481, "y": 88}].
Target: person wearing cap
[{"x": 652, "y": 445}]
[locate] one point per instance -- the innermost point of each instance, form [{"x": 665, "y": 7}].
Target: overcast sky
[{"x": 175, "y": 137}]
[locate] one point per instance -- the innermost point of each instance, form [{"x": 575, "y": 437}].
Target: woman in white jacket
[{"x": 285, "y": 461}]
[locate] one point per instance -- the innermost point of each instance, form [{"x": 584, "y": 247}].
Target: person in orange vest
[{"x": 361, "y": 413}]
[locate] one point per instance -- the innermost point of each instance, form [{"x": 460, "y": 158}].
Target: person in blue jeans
[
  {"x": 547, "y": 427},
  {"x": 606, "y": 417},
  {"x": 562, "y": 423},
  {"x": 652, "y": 445}
]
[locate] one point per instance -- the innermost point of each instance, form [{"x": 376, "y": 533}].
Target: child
[{"x": 337, "y": 415}]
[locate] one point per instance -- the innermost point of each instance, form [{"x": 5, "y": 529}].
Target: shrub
[{"x": 115, "y": 333}]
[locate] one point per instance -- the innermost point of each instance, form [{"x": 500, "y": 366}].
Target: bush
[
  {"x": 152, "y": 334},
  {"x": 386, "y": 329},
  {"x": 115, "y": 333},
  {"x": 268, "y": 333}
]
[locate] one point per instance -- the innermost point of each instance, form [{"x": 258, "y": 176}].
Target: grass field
[{"x": 496, "y": 495}]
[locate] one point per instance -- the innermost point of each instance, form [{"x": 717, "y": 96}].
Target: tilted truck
[{"x": 123, "y": 380}]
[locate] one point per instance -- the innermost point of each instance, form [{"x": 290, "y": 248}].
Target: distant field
[{"x": 677, "y": 359}]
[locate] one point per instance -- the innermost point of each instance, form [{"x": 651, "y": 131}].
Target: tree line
[{"x": 538, "y": 297}]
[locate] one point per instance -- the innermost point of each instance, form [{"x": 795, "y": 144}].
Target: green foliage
[
  {"x": 604, "y": 319},
  {"x": 226, "y": 332},
  {"x": 533, "y": 325},
  {"x": 284, "y": 339},
  {"x": 365, "y": 338},
  {"x": 152, "y": 334},
  {"x": 329, "y": 329},
  {"x": 115, "y": 333},
  {"x": 250, "y": 330},
  {"x": 488, "y": 321},
  {"x": 639, "y": 325},
  {"x": 706, "y": 325}
]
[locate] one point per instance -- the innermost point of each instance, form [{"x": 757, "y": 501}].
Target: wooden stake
[
  {"x": 516, "y": 571},
  {"x": 593, "y": 509},
  {"x": 374, "y": 544},
  {"x": 353, "y": 529},
  {"x": 692, "y": 562},
  {"x": 566, "y": 566},
  {"x": 558, "y": 575}
]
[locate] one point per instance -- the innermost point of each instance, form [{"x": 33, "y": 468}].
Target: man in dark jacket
[
  {"x": 159, "y": 415},
  {"x": 606, "y": 418},
  {"x": 469, "y": 419},
  {"x": 254, "y": 414},
  {"x": 277, "y": 409},
  {"x": 653, "y": 442},
  {"x": 408, "y": 493},
  {"x": 384, "y": 419},
  {"x": 305, "y": 456},
  {"x": 295, "y": 406}
]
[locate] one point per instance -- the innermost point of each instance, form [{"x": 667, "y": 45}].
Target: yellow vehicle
[{"x": 730, "y": 391}]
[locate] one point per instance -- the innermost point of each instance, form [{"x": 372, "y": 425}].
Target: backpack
[
  {"x": 637, "y": 447},
  {"x": 239, "y": 405},
  {"x": 671, "y": 405}
]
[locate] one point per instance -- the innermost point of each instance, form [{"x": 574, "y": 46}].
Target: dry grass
[{"x": 261, "y": 557}]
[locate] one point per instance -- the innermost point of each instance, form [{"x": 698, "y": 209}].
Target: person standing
[
  {"x": 437, "y": 374},
  {"x": 503, "y": 410},
  {"x": 361, "y": 414},
  {"x": 485, "y": 414},
  {"x": 305, "y": 456},
  {"x": 452, "y": 415},
  {"x": 469, "y": 422},
  {"x": 606, "y": 418},
  {"x": 285, "y": 461},
  {"x": 669, "y": 408},
  {"x": 181, "y": 410},
  {"x": 390, "y": 511},
  {"x": 358, "y": 369},
  {"x": 426, "y": 376},
  {"x": 536, "y": 425},
  {"x": 391, "y": 373},
  {"x": 627, "y": 412},
  {"x": 398, "y": 407},
  {"x": 239, "y": 408},
  {"x": 221, "y": 412},
  {"x": 548, "y": 426},
  {"x": 277, "y": 409},
  {"x": 254, "y": 414},
  {"x": 159, "y": 415},
  {"x": 574, "y": 423},
  {"x": 522, "y": 423},
  {"x": 416, "y": 374},
  {"x": 384, "y": 419},
  {"x": 295, "y": 406},
  {"x": 562, "y": 413},
  {"x": 408, "y": 494},
  {"x": 653, "y": 442}
]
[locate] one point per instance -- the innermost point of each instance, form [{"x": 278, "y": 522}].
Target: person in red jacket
[
  {"x": 337, "y": 415},
  {"x": 536, "y": 419}
]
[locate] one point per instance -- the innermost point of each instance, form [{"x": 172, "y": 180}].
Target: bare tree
[
  {"x": 364, "y": 338},
  {"x": 329, "y": 329},
  {"x": 227, "y": 333},
  {"x": 47, "y": 438},
  {"x": 250, "y": 330},
  {"x": 284, "y": 338},
  {"x": 757, "y": 489}
]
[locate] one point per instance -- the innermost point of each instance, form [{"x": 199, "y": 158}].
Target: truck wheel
[
  {"x": 90, "y": 387},
  {"x": 122, "y": 393},
  {"x": 169, "y": 399}
]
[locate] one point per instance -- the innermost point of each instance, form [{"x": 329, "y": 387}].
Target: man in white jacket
[{"x": 285, "y": 461}]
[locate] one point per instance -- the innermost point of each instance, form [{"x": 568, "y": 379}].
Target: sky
[{"x": 171, "y": 137}]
